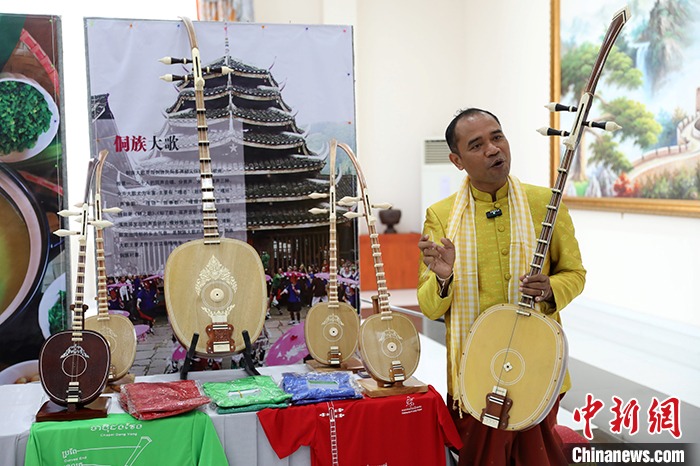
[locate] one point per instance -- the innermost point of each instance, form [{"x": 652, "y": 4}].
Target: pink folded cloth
[{"x": 153, "y": 400}]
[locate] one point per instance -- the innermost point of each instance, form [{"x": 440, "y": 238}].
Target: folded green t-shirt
[{"x": 245, "y": 392}]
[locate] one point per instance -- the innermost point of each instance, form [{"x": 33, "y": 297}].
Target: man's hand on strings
[{"x": 537, "y": 286}]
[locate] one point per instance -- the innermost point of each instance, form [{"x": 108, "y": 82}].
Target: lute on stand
[
  {"x": 389, "y": 343},
  {"x": 331, "y": 328},
  {"x": 74, "y": 364},
  {"x": 214, "y": 287},
  {"x": 117, "y": 329}
]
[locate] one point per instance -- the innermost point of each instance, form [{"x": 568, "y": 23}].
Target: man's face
[{"x": 484, "y": 152}]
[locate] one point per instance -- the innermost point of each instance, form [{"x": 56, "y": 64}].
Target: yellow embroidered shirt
[{"x": 563, "y": 262}]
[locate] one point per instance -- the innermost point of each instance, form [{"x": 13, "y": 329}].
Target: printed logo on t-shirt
[{"x": 411, "y": 406}]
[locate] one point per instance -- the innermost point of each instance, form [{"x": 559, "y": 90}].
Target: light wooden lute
[
  {"x": 331, "y": 329},
  {"x": 514, "y": 359},
  {"x": 117, "y": 329},
  {"x": 389, "y": 343},
  {"x": 74, "y": 364},
  {"x": 214, "y": 286}
]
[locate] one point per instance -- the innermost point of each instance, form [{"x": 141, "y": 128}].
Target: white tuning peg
[
  {"x": 612, "y": 126},
  {"x": 557, "y": 107},
  {"x": 317, "y": 211},
  {"x": 545, "y": 131},
  {"x": 112, "y": 210},
  {"x": 349, "y": 201},
  {"x": 101, "y": 223},
  {"x": 352, "y": 215},
  {"x": 226, "y": 70},
  {"x": 68, "y": 213},
  {"x": 64, "y": 232},
  {"x": 604, "y": 125},
  {"x": 318, "y": 195},
  {"x": 173, "y": 60},
  {"x": 386, "y": 205},
  {"x": 167, "y": 78}
]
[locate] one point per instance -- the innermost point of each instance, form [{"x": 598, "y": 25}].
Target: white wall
[{"x": 416, "y": 64}]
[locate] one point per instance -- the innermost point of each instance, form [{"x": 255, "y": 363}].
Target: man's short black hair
[{"x": 450, "y": 136}]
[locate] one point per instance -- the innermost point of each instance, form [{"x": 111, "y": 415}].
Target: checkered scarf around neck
[{"x": 461, "y": 230}]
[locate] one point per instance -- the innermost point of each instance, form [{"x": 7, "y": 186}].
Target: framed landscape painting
[{"x": 650, "y": 86}]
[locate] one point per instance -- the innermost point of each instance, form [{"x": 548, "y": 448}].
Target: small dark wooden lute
[{"x": 74, "y": 364}]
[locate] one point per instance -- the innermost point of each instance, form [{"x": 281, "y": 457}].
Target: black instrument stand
[
  {"x": 189, "y": 357},
  {"x": 249, "y": 365},
  {"x": 247, "y": 355}
]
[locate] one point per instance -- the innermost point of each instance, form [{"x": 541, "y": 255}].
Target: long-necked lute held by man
[
  {"x": 74, "y": 364},
  {"x": 331, "y": 328},
  {"x": 117, "y": 329},
  {"x": 389, "y": 342},
  {"x": 214, "y": 286},
  {"x": 514, "y": 359}
]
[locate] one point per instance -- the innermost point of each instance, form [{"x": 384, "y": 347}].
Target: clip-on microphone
[{"x": 494, "y": 213}]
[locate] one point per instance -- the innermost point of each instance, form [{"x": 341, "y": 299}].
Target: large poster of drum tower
[{"x": 287, "y": 92}]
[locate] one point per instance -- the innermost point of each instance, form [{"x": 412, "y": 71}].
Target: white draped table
[
  {"x": 241, "y": 435},
  {"x": 244, "y": 441}
]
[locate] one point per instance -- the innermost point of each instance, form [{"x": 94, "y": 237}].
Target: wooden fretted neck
[
  {"x": 382, "y": 290},
  {"x": 545, "y": 237},
  {"x": 102, "y": 296},
  {"x": 79, "y": 307},
  {"x": 210, "y": 222},
  {"x": 332, "y": 268},
  {"x": 332, "y": 237}
]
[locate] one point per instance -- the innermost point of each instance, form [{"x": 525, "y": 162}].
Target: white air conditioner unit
[{"x": 439, "y": 177}]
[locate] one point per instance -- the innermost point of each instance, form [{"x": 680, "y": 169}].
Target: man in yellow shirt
[{"x": 475, "y": 252}]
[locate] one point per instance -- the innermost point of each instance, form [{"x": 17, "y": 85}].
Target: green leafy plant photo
[{"x": 24, "y": 116}]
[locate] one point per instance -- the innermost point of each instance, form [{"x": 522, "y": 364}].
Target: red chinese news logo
[{"x": 661, "y": 416}]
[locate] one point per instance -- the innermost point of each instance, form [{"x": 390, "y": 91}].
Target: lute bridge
[
  {"x": 334, "y": 356},
  {"x": 220, "y": 338},
  {"x": 397, "y": 373},
  {"x": 495, "y": 414}
]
